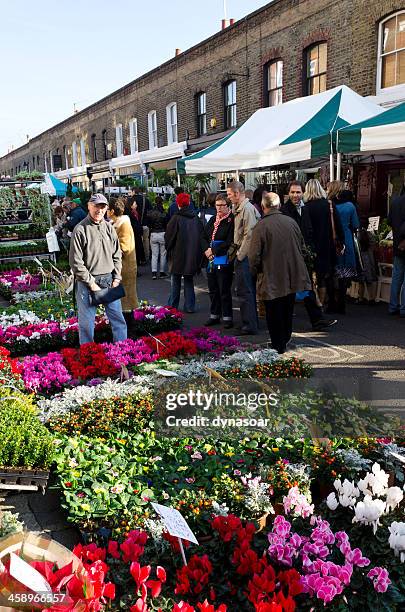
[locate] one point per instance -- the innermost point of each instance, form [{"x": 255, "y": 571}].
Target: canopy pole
[
  {"x": 339, "y": 167},
  {"x": 332, "y": 167},
  {"x": 178, "y": 180},
  {"x": 237, "y": 175}
]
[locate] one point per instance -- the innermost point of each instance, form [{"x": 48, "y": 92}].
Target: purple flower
[
  {"x": 380, "y": 578},
  {"x": 354, "y": 557}
]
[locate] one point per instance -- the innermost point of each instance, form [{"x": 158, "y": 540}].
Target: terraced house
[{"x": 287, "y": 49}]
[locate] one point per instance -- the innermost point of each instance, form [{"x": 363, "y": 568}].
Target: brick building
[{"x": 286, "y": 49}]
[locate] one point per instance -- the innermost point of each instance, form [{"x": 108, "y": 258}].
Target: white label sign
[
  {"x": 175, "y": 523},
  {"x": 373, "y": 224},
  {"x": 28, "y": 576}
]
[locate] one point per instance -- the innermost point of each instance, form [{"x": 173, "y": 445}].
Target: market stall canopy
[
  {"x": 55, "y": 187},
  {"x": 382, "y": 133},
  {"x": 299, "y": 130}
]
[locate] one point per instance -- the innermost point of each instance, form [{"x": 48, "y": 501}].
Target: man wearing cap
[{"x": 95, "y": 259}]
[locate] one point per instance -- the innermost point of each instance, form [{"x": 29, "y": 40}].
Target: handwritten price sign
[{"x": 175, "y": 523}]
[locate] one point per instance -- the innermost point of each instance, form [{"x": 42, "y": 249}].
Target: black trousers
[
  {"x": 314, "y": 311},
  {"x": 220, "y": 289},
  {"x": 279, "y": 315}
]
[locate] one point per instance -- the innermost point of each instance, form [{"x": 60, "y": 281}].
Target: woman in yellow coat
[{"x": 123, "y": 227}]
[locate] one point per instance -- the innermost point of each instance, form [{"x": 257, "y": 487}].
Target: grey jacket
[{"x": 94, "y": 250}]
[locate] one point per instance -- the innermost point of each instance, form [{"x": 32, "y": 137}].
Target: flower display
[
  {"x": 128, "y": 352},
  {"x": 373, "y": 487},
  {"x": 397, "y": 539},
  {"x": 44, "y": 374},
  {"x": 155, "y": 319},
  {"x": 297, "y": 503}
]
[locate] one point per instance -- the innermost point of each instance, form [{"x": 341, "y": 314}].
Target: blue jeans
[
  {"x": 398, "y": 286},
  {"x": 189, "y": 295},
  {"x": 246, "y": 292},
  {"x": 87, "y": 315}
]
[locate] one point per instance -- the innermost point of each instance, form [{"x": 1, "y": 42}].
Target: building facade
[{"x": 284, "y": 50}]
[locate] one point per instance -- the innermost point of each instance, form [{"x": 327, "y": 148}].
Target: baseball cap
[{"x": 98, "y": 199}]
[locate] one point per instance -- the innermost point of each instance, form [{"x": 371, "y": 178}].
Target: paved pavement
[
  {"x": 363, "y": 355},
  {"x": 364, "y": 352}
]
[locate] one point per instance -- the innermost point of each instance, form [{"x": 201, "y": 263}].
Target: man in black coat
[
  {"x": 396, "y": 219},
  {"x": 183, "y": 239},
  {"x": 295, "y": 208}
]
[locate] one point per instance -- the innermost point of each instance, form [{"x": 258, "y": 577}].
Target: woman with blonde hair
[
  {"x": 123, "y": 227},
  {"x": 325, "y": 227}
]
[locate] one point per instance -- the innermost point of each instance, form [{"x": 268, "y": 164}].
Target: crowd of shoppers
[{"x": 311, "y": 246}]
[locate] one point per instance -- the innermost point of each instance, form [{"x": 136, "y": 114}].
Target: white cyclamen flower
[
  {"x": 394, "y": 498},
  {"x": 332, "y": 502},
  {"x": 369, "y": 511},
  {"x": 397, "y": 539},
  {"x": 378, "y": 480}
]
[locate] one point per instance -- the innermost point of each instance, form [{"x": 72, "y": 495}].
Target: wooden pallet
[{"x": 23, "y": 479}]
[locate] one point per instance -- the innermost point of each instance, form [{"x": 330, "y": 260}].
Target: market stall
[{"x": 296, "y": 131}]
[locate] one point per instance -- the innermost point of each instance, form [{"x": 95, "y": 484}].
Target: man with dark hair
[{"x": 296, "y": 209}]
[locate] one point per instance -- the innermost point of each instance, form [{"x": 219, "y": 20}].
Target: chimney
[
  {"x": 226, "y": 23},
  {"x": 177, "y": 52}
]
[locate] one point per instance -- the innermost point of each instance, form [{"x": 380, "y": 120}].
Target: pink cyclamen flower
[{"x": 380, "y": 578}]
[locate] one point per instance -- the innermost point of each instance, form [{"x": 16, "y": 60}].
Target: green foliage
[
  {"x": 163, "y": 177},
  {"x": 30, "y": 175},
  {"x": 24, "y": 441}
]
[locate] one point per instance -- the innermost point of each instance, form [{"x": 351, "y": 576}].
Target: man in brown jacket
[{"x": 275, "y": 256}]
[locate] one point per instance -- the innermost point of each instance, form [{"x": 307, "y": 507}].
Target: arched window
[
  {"x": 391, "y": 51},
  {"x": 315, "y": 65},
  {"x": 273, "y": 83}
]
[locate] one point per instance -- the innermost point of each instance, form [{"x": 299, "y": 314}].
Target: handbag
[
  {"x": 219, "y": 260},
  {"x": 106, "y": 296}
]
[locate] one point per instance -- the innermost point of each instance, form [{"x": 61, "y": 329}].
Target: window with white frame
[
  {"x": 83, "y": 151},
  {"x": 391, "y": 52},
  {"x": 171, "y": 118},
  {"x": 274, "y": 82},
  {"x": 230, "y": 104},
  {"x": 316, "y": 59},
  {"x": 74, "y": 153},
  {"x": 119, "y": 139},
  {"x": 202, "y": 113},
  {"x": 152, "y": 130},
  {"x": 133, "y": 136}
]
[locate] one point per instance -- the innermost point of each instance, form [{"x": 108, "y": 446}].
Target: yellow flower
[
  {"x": 85, "y": 507},
  {"x": 275, "y": 449},
  {"x": 182, "y": 468}
]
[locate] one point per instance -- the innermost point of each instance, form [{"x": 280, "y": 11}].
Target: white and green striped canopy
[
  {"x": 382, "y": 133},
  {"x": 298, "y": 130}
]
